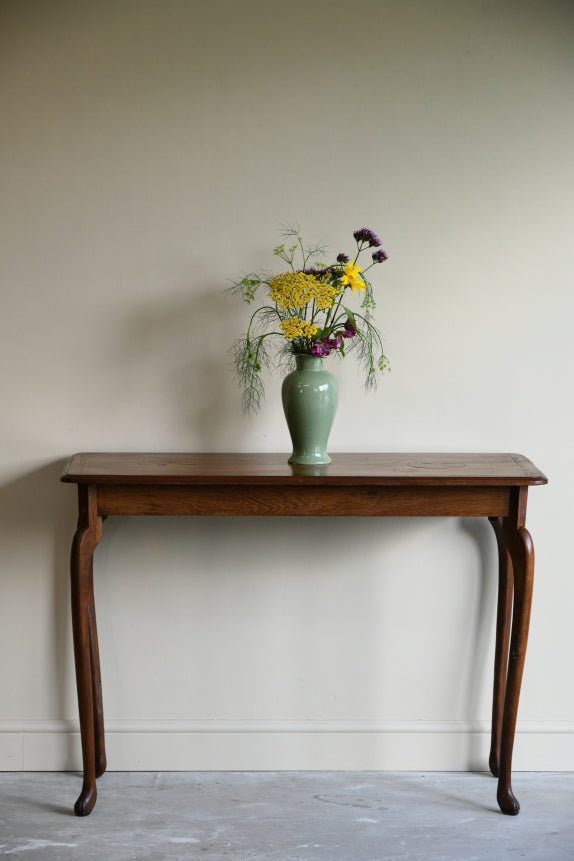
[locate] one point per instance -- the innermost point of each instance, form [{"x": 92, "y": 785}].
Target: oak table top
[{"x": 383, "y": 469}]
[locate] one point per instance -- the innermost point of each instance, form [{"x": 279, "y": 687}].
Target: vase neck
[{"x": 305, "y": 362}]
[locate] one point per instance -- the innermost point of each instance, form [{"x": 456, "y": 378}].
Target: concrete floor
[{"x": 287, "y": 816}]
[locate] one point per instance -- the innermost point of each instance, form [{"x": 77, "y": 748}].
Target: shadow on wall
[
  {"x": 480, "y": 627},
  {"x": 296, "y": 610},
  {"x": 181, "y": 344},
  {"x": 36, "y": 517}
]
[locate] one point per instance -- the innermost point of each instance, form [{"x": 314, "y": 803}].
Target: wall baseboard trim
[{"x": 278, "y": 745}]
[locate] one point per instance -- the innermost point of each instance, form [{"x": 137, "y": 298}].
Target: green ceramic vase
[{"x": 310, "y": 395}]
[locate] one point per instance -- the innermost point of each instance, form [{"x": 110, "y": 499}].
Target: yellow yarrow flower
[
  {"x": 291, "y": 289},
  {"x": 324, "y": 295},
  {"x": 352, "y": 277},
  {"x": 295, "y": 327},
  {"x": 296, "y": 290}
]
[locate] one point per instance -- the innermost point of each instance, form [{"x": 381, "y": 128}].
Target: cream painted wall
[{"x": 149, "y": 152}]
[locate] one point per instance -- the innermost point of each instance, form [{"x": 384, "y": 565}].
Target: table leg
[
  {"x": 518, "y": 541},
  {"x": 503, "y": 617},
  {"x": 86, "y": 538}
]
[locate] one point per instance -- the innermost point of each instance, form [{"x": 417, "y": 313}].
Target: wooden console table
[{"x": 353, "y": 485}]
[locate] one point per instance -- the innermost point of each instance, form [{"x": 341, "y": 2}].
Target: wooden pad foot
[
  {"x": 507, "y": 801},
  {"x": 86, "y": 800}
]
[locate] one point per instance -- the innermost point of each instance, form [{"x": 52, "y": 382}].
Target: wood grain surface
[{"x": 273, "y": 469}]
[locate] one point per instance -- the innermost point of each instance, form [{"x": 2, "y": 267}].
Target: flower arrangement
[{"x": 306, "y": 307}]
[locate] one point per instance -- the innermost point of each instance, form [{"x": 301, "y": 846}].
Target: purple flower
[
  {"x": 332, "y": 343},
  {"x": 349, "y": 331},
  {"x": 342, "y": 258},
  {"x": 318, "y": 273},
  {"x": 366, "y": 235},
  {"x": 380, "y": 256},
  {"x": 319, "y": 350}
]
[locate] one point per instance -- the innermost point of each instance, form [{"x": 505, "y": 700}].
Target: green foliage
[
  {"x": 246, "y": 287},
  {"x": 249, "y": 359}
]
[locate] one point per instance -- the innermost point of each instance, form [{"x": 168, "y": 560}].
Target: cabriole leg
[
  {"x": 503, "y": 617},
  {"x": 519, "y": 543},
  {"x": 86, "y": 538}
]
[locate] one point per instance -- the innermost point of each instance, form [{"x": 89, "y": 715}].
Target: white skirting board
[{"x": 148, "y": 745}]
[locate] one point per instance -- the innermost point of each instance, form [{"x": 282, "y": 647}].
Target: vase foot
[
  {"x": 308, "y": 460},
  {"x": 309, "y": 468}
]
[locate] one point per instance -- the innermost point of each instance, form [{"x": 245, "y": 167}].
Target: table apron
[{"x": 321, "y": 501}]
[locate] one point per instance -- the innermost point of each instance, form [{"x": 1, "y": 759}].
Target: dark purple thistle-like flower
[
  {"x": 318, "y": 273},
  {"x": 367, "y": 235},
  {"x": 380, "y": 256},
  {"x": 342, "y": 258},
  {"x": 319, "y": 350}
]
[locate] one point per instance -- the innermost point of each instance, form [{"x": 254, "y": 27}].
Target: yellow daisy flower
[{"x": 352, "y": 277}]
